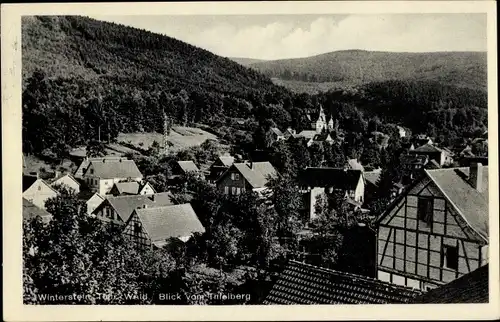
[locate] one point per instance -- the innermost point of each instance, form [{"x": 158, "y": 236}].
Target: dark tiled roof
[
  {"x": 162, "y": 223},
  {"x": 346, "y": 179},
  {"x": 31, "y": 211},
  {"x": 427, "y": 148},
  {"x": 125, "y": 205},
  {"x": 108, "y": 169},
  {"x": 469, "y": 202},
  {"x": 469, "y": 288},
  {"x": 302, "y": 283},
  {"x": 373, "y": 177},
  {"x": 188, "y": 166}
]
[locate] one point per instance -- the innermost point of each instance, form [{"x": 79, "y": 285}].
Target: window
[
  {"x": 235, "y": 176},
  {"x": 39, "y": 188},
  {"x": 226, "y": 190},
  {"x": 425, "y": 208},
  {"x": 137, "y": 228},
  {"x": 233, "y": 190},
  {"x": 449, "y": 257}
]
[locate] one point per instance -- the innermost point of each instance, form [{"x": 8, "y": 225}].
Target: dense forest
[
  {"x": 466, "y": 69},
  {"x": 83, "y": 78}
]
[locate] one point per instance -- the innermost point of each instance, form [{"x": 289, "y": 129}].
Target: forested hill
[
  {"x": 353, "y": 67},
  {"x": 81, "y": 71},
  {"x": 246, "y": 61}
]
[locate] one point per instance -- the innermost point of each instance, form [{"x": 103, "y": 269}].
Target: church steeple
[{"x": 321, "y": 122}]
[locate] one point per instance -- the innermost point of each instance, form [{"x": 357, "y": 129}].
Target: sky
[{"x": 291, "y": 36}]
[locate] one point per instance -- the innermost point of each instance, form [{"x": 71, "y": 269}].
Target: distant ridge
[
  {"x": 246, "y": 61},
  {"x": 464, "y": 69}
]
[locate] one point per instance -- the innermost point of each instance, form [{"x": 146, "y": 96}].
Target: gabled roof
[
  {"x": 162, "y": 223},
  {"x": 31, "y": 211},
  {"x": 427, "y": 148},
  {"x": 131, "y": 188},
  {"x": 227, "y": 160},
  {"x": 355, "y": 164},
  {"x": 28, "y": 181},
  {"x": 85, "y": 163},
  {"x": 469, "y": 202},
  {"x": 54, "y": 181},
  {"x": 345, "y": 179},
  {"x": 276, "y": 131},
  {"x": 256, "y": 175},
  {"x": 188, "y": 166},
  {"x": 302, "y": 283},
  {"x": 307, "y": 134},
  {"x": 469, "y": 288},
  {"x": 373, "y": 176},
  {"x": 108, "y": 169},
  {"x": 322, "y": 137},
  {"x": 125, "y": 205}
]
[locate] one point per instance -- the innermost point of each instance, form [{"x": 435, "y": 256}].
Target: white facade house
[{"x": 102, "y": 175}]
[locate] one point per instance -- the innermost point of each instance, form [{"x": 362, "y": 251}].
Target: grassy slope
[{"x": 351, "y": 67}]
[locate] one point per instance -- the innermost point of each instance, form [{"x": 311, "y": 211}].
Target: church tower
[{"x": 321, "y": 122}]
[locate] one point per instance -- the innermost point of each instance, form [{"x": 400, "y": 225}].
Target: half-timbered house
[
  {"x": 118, "y": 210},
  {"x": 153, "y": 227},
  {"x": 437, "y": 230}
]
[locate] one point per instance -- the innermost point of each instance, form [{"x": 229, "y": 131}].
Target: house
[
  {"x": 437, "y": 230},
  {"x": 37, "y": 191},
  {"x": 274, "y": 135},
  {"x": 93, "y": 202},
  {"x": 68, "y": 181},
  {"x": 320, "y": 138},
  {"x": 102, "y": 175},
  {"x": 441, "y": 156},
  {"x": 30, "y": 211},
  {"x": 118, "y": 210},
  {"x": 220, "y": 165},
  {"x": 86, "y": 162},
  {"x": 132, "y": 188},
  {"x": 371, "y": 183},
  {"x": 470, "y": 288},
  {"x": 301, "y": 283},
  {"x": 317, "y": 181},
  {"x": 422, "y": 139},
  {"x": 245, "y": 176},
  {"x": 153, "y": 227},
  {"x": 413, "y": 164},
  {"x": 184, "y": 167}
]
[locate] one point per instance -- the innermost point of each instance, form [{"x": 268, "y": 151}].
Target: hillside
[
  {"x": 80, "y": 74},
  {"x": 352, "y": 67}
]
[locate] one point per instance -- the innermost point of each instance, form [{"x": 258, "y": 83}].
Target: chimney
[{"x": 476, "y": 176}]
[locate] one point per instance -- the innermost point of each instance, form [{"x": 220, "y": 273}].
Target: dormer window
[
  {"x": 425, "y": 208},
  {"x": 91, "y": 171},
  {"x": 235, "y": 176}
]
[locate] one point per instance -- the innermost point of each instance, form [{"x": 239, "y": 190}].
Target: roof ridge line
[{"x": 456, "y": 208}]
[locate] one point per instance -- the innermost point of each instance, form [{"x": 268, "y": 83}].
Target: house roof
[
  {"x": 276, "y": 131},
  {"x": 28, "y": 181},
  {"x": 322, "y": 137},
  {"x": 427, "y": 148},
  {"x": 162, "y": 223},
  {"x": 256, "y": 175},
  {"x": 125, "y": 205},
  {"x": 108, "y": 169},
  {"x": 301, "y": 283},
  {"x": 414, "y": 159},
  {"x": 373, "y": 176},
  {"x": 434, "y": 165},
  {"x": 469, "y": 288},
  {"x": 308, "y": 134},
  {"x": 468, "y": 201},
  {"x": 355, "y": 164},
  {"x": 227, "y": 160},
  {"x": 54, "y": 181},
  {"x": 31, "y": 211},
  {"x": 188, "y": 166},
  {"x": 346, "y": 179},
  {"x": 131, "y": 187}
]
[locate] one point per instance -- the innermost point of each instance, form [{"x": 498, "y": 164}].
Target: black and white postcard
[{"x": 250, "y": 160}]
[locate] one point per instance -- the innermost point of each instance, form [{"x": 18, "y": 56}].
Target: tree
[{"x": 95, "y": 149}]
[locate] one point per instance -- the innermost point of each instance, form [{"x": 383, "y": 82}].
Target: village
[{"x": 427, "y": 236}]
